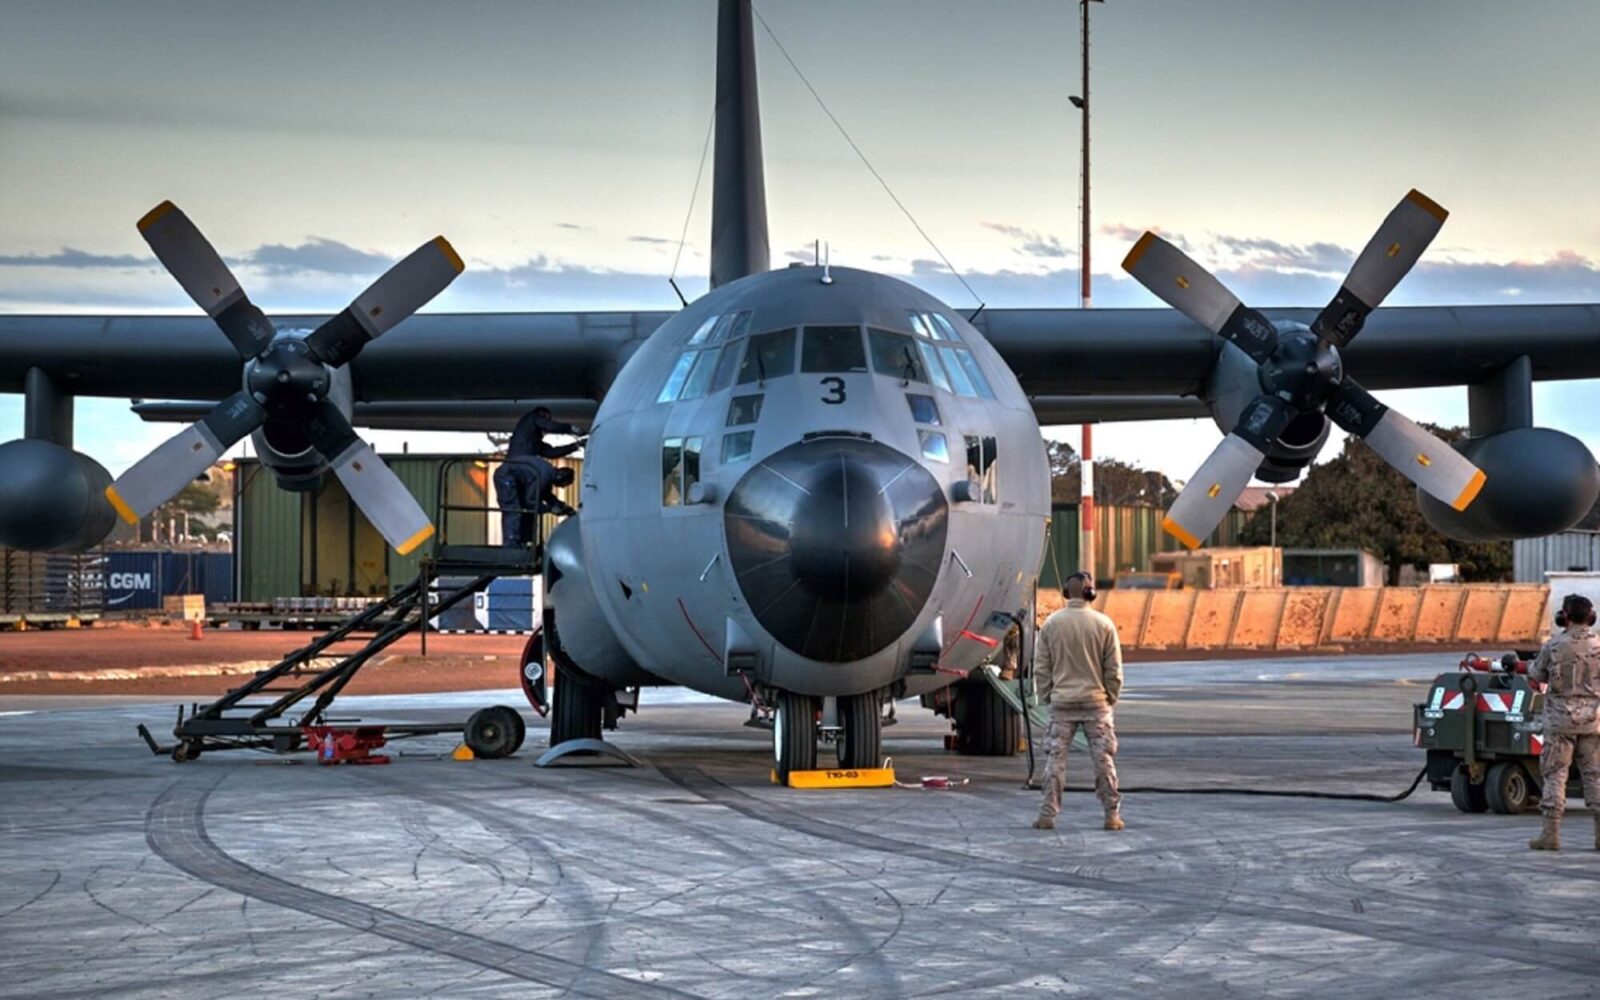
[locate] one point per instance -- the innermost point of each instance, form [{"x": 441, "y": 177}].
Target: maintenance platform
[{"x": 242, "y": 874}]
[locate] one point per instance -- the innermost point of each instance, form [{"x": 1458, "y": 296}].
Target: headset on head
[
  {"x": 1088, "y": 583},
  {"x": 1575, "y": 610}
]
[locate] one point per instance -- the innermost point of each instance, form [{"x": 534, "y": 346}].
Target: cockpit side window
[
  {"x": 982, "y": 453},
  {"x": 930, "y": 358},
  {"x": 959, "y": 381},
  {"x": 680, "y": 469},
  {"x": 833, "y": 349},
  {"x": 675, "y": 380},
  {"x": 933, "y": 326},
  {"x": 769, "y": 355},
  {"x": 699, "y": 380},
  {"x": 969, "y": 364},
  {"x": 923, "y": 408},
  {"x": 744, "y": 410},
  {"x": 895, "y": 354}
]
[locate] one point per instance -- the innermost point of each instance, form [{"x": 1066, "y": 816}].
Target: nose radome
[
  {"x": 845, "y": 541},
  {"x": 836, "y": 543}
]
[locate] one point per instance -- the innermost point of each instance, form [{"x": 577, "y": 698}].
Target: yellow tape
[
  {"x": 121, "y": 506},
  {"x": 1470, "y": 493},
  {"x": 1175, "y": 529},
  {"x": 1427, "y": 204},
  {"x": 151, "y": 217},
  {"x": 450, "y": 253},
  {"x": 1132, "y": 260}
]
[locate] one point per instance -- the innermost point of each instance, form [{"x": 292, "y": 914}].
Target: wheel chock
[
  {"x": 853, "y": 777},
  {"x": 463, "y": 752}
]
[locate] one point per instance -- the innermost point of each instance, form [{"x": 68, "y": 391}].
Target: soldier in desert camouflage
[
  {"x": 1570, "y": 664},
  {"x": 1078, "y": 671}
]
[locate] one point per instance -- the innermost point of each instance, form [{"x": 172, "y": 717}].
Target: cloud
[
  {"x": 1031, "y": 242},
  {"x": 653, "y": 240},
  {"x": 1322, "y": 258},
  {"x": 76, "y": 259},
  {"x": 317, "y": 255},
  {"x": 571, "y": 225}
]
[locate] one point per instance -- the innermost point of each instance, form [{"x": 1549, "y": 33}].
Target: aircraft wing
[{"x": 477, "y": 370}]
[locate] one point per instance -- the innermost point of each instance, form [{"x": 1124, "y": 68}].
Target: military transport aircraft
[{"x": 814, "y": 485}]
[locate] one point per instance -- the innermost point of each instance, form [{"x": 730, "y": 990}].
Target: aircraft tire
[
  {"x": 861, "y": 734},
  {"x": 985, "y": 725},
  {"x": 794, "y": 735},
  {"x": 576, "y": 707}
]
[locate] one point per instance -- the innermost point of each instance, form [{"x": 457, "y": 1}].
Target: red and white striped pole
[{"x": 1086, "y": 503}]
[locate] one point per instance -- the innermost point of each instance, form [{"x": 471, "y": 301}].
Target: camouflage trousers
[
  {"x": 1101, "y": 732},
  {"x": 1555, "y": 761}
]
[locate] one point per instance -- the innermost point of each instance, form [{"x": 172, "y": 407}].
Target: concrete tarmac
[{"x": 126, "y": 875}]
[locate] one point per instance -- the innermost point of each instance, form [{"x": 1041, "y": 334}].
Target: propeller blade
[
  {"x": 401, "y": 291},
  {"x": 1207, "y": 497},
  {"x": 372, "y": 485},
  {"x": 1438, "y": 469},
  {"x": 190, "y": 258},
  {"x": 1195, "y": 292},
  {"x": 162, "y": 474},
  {"x": 1391, "y": 253}
]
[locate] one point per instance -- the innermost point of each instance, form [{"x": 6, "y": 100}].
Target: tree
[
  {"x": 1116, "y": 483},
  {"x": 1357, "y": 501}
]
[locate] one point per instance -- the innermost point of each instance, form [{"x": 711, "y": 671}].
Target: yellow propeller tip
[
  {"x": 154, "y": 215},
  {"x": 409, "y": 546},
  {"x": 1470, "y": 492},
  {"x": 450, "y": 254},
  {"x": 1427, "y": 204},
  {"x": 1177, "y": 531},
  {"x": 1139, "y": 248},
  {"x": 121, "y": 506}
]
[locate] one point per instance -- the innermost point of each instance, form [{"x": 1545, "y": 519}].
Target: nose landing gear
[{"x": 797, "y": 725}]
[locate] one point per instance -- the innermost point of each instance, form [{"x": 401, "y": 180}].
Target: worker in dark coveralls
[
  {"x": 1077, "y": 670},
  {"x": 1570, "y": 664},
  {"x": 523, "y": 482}
]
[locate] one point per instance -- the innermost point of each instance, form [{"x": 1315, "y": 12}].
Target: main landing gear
[{"x": 797, "y": 727}]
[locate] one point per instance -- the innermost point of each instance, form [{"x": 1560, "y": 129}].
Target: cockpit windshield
[{"x": 833, "y": 349}]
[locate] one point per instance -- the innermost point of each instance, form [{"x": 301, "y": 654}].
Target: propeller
[
  {"x": 286, "y": 379},
  {"x": 1300, "y": 370}
]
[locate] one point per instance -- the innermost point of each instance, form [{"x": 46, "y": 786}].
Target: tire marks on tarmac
[
  {"x": 175, "y": 831},
  {"x": 1523, "y": 951}
]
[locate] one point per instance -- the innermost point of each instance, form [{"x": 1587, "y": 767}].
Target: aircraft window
[
  {"x": 744, "y": 410},
  {"x": 726, "y": 366},
  {"x": 833, "y": 349},
  {"x": 919, "y": 326},
  {"x": 672, "y": 472},
  {"x": 923, "y": 409},
  {"x": 896, "y": 354},
  {"x": 930, "y": 357},
  {"x": 738, "y": 325},
  {"x": 969, "y": 364},
  {"x": 981, "y": 452},
  {"x": 958, "y": 375},
  {"x": 680, "y": 469},
  {"x": 940, "y": 325},
  {"x": 699, "y": 380},
  {"x": 736, "y": 446},
  {"x": 934, "y": 446},
  {"x": 769, "y": 356},
  {"x": 680, "y": 373},
  {"x": 703, "y": 333}
]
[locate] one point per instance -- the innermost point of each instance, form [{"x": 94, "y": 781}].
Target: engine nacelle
[
  {"x": 52, "y": 498},
  {"x": 1235, "y": 383},
  {"x": 582, "y": 630},
  {"x": 1539, "y": 481}
]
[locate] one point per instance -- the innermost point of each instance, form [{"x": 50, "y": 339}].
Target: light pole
[
  {"x": 1273, "y": 496},
  {"x": 1086, "y": 552}
]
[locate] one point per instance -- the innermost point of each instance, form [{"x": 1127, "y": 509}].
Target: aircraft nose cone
[
  {"x": 836, "y": 544},
  {"x": 844, "y": 541}
]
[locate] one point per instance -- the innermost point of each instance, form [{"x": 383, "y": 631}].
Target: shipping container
[
  {"x": 138, "y": 580},
  {"x": 1125, "y": 539},
  {"x": 49, "y": 587},
  {"x": 1332, "y": 568},
  {"x": 1567, "y": 552},
  {"x": 317, "y": 544}
]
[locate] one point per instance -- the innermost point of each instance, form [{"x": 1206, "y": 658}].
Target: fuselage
[{"x": 735, "y": 447}]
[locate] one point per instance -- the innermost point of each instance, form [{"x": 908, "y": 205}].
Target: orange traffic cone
[{"x": 196, "y": 629}]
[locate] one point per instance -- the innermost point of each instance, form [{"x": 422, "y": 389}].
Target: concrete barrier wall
[{"x": 1314, "y": 617}]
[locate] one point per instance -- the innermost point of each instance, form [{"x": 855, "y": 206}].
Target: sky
[{"x": 557, "y": 145}]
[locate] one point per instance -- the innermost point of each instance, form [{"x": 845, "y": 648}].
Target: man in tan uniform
[
  {"x": 1077, "y": 669},
  {"x": 1570, "y": 663}
]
